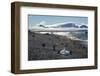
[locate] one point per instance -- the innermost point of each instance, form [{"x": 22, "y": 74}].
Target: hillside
[{"x": 48, "y": 47}]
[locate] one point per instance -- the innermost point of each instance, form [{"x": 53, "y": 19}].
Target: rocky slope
[{"x": 48, "y": 47}]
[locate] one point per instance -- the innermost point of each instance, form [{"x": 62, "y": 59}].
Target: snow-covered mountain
[
  {"x": 60, "y": 25},
  {"x": 43, "y": 24},
  {"x": 83, "y": 26},
  {"x": 69, "y": 25}
]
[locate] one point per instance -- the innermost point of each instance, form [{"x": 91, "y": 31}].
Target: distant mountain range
[{"x": 63, "y": 25}]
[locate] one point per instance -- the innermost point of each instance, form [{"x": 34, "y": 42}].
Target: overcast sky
[{"x": 33, "y": 20}]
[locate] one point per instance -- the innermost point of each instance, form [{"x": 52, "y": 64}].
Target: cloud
[{"x": 41, "y": 23}]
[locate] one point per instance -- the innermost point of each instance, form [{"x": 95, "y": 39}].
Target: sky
[{"x": 33, "y": 20}]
